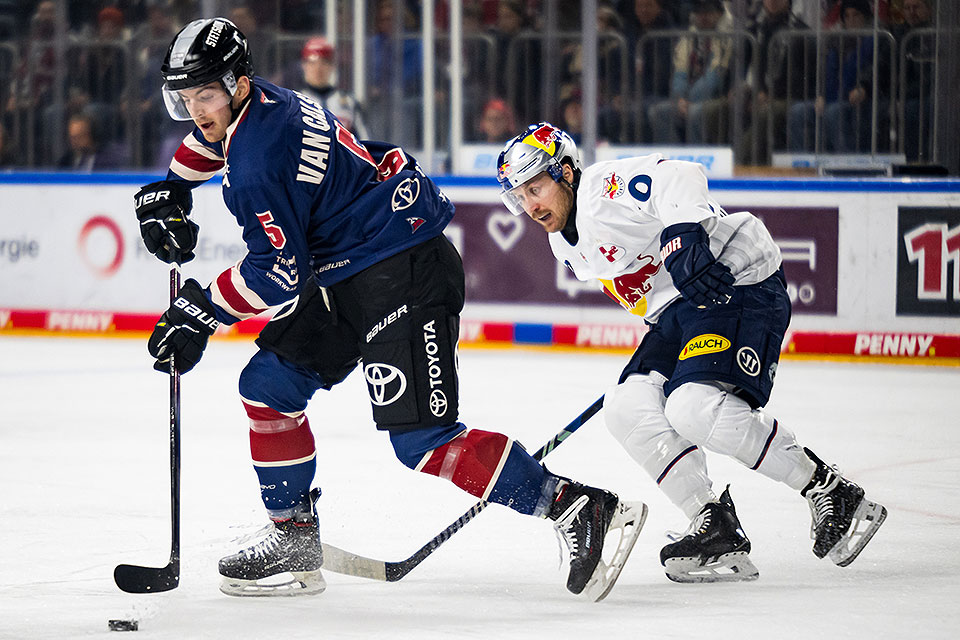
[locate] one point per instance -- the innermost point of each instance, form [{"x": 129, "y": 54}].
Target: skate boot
[
  {"x": 583, "y": 517},
  {"x": 714, "y": 549},
  {"x": 284, "y": 563},
  {"x": 843, "y": 521}
]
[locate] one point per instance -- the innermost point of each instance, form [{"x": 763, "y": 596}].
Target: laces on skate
[{"x": 713, "y": 548}]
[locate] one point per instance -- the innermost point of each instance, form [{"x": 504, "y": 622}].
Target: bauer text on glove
[
  {"x": 163, "y": 210},
  {"x": 183, "y": 329}
]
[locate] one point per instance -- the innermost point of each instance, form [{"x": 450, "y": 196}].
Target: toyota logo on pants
[{"x": 387, "y": 383}]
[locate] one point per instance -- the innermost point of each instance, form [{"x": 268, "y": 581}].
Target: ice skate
[
  {"x": 284, "y": 563},
  {"x": 583, "y": 517},
  {"x": 843, "y": 520},
  {"x": 714, "y": 549}
]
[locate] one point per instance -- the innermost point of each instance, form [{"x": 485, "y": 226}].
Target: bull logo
[
  {"x": 613, "y": 186},
  {"x": 632, "y": 287},
  {"x": 542, "y": 138}
]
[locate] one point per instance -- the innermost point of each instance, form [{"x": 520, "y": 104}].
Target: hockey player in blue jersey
[{"x": 347, "y": 237}]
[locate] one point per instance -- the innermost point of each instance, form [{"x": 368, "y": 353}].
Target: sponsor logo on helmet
[
  {"x": 611, "y": 252},
  {"x": 504, "y": 171},
  {"x": 179, "y": 76},
  {"x": 613, "y": 186},
  {"x": 214, "y": 34},
  {"x": 704, "y": 344},
  {"x": 543, "y": 138}
]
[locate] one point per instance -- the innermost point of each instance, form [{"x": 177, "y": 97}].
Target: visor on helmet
[
  {"x": 537, "y": 150},
  {"x": 516, "y": 197},
  {"x": 182, "y": 103}
]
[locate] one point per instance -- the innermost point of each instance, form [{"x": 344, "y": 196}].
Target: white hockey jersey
[{"x": 624, "y": 205}]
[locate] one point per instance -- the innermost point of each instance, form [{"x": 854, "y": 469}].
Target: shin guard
[
  {"x": 490, "y": 466},
  {"x": 284, "y": 456}
]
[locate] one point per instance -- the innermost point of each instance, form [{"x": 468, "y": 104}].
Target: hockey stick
[
  {"x": 339, "y": 561},
  {"x": 134, "y": 578}
]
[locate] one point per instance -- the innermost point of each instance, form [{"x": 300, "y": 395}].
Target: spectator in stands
[
  {"x": 496, "y": 122},
  {"x": 700, "y": 72},
  {"x": 395, "y": 74},
  {"x": 783, "y": 70},
  {"x": 846, "y": 121},
  {"x": 86, "y": 151},
  {"x": 149, "y": 45},
  {"x": 917, "y": 55},
  {"x": 319, "y": 66},
  {"x": 260, "y": 38},
  {"x": 611, "y": 64},
  {"x": 6, "y": 149},
  {"x": 571, "y": 115},
  {"x": 652, "y": 59},
  {"x": 33, "y": 81},
  {"x": 100, "y": 70},
  {"x": 520, "y": 77}
]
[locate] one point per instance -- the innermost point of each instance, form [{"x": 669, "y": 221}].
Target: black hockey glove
[
  {"x": 183, "y": 329},
  {"x": 700, "y": 278},
  {"x": 163, "y": 209}
]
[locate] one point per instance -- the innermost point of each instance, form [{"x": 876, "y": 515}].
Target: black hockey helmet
[{"x": 204, "y": 51}]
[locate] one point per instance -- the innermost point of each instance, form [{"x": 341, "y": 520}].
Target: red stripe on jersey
[
  {"x": 193, "y": 160},
  {"x": 282, "y": 446},
  {"x": 224, "y": 284}
]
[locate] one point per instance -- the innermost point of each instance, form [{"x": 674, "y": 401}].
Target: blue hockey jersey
[{"x": 310, "y": 197}]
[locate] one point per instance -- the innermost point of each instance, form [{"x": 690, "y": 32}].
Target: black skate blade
[{"x": 136, "y": 579}]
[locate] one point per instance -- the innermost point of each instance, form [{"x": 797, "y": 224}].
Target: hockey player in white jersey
[{"x": 711, "y": 288}]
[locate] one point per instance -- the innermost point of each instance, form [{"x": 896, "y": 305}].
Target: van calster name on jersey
[{"x": 314, "y": 147}]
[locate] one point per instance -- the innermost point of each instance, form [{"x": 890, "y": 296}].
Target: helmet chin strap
[
  {"x": 569, "y": 231},
  {"x": 235, "y": 111}
]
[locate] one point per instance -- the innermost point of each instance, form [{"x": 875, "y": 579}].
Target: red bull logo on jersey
[
  {"x": 704, "y": 344},
  {"x": 633, "y": 286},
  {"x": 613, "y": 186},
  {"x": 630, "y": 289}
]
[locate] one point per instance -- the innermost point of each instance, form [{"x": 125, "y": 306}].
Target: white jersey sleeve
[{"x": 622, "y": 208}]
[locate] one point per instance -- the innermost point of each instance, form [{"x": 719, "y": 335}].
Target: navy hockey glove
[
  {"x": 702, "y": 280},
  {"x": 183, "y": 329},
  {"x": 162, "y": 208}
]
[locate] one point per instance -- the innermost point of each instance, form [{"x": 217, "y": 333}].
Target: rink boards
[{"x": 873, "y": 266}]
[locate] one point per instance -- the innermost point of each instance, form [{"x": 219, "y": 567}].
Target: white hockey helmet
[{"x": 541, "y": 147}]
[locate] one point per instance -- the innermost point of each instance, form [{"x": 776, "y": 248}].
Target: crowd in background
[{"x": 79, "y": 80}]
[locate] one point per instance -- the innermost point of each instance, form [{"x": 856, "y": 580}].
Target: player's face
[
  {"x": 210, "y": 107},
  {"x": 547, "y": 202}
]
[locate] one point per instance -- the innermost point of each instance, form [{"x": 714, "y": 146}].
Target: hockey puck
[{"x": 123, "y": 625}]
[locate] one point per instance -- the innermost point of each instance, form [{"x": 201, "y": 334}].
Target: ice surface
[{"x": 84, "y": 486}]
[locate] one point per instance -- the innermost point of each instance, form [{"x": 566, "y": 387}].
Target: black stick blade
[{"x": 135, "y": 579}]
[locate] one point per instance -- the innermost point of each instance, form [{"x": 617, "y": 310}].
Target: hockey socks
[
  {"x": 485, "y": 464},
  {"x": 284, "y": 457}
]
